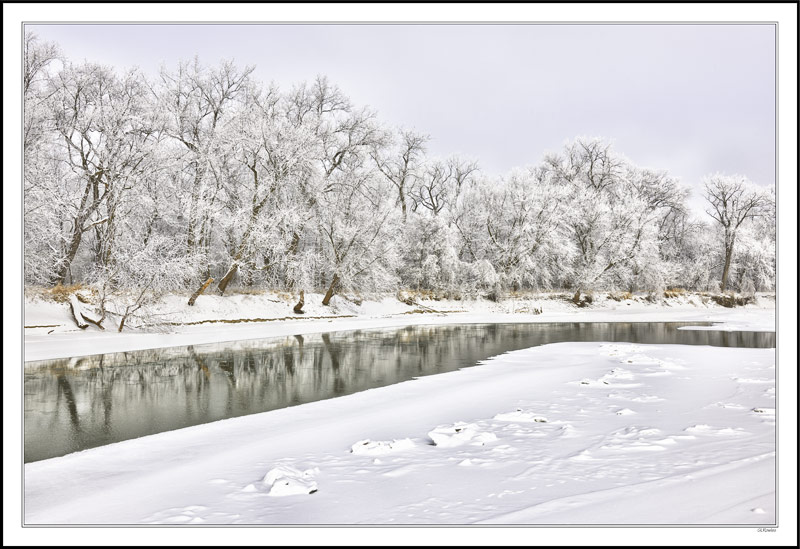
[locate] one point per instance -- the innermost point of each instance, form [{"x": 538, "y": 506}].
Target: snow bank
[{"x": 51, "y": 333}]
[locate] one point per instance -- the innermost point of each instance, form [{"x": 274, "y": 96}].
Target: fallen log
[
  {"x": 75, "y": 307},
  {"x": 90, "y": 318},
  {"x": 200, "y": 290},
  {"x": 94, "y": 321}
]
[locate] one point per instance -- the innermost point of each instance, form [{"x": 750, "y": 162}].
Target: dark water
[{"x": 82, "y": 402}]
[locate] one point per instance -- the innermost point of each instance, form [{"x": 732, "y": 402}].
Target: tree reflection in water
[{"x": 83, "y": 402}]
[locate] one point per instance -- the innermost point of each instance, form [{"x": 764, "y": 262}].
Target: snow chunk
[
  {"x": 286, "y": 480},
  {"x": 458, "y": 434},
  {"x": 380, "y": 447}
]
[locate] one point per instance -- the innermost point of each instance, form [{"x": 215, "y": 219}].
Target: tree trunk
[
  {"x": 75, "y": 307},
  {"x": 84, "y": 212},
  {"x": 200, "y": 290},
  {"x": 227, "y": 278},
  {"x": 192, "y": 236},
  {"x": 403, "y": 203},
  {"x": 298, "y": 309},
  {"x": 75, "y": 242},
  {"x": 726, "y": 269},
  {"x": 294, "y": 246},
  {"x": 331, "y": 290}
]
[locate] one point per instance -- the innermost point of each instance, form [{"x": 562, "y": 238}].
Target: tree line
[{"x": 156, "y": 184}]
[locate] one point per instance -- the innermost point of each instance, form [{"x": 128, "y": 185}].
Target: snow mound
[
  {"x": 647, "y": 398},
  {"x": 634, "y": 431},
  {"x": 700, "y": 428},
  {"x": 458, "y": 434},
  {"x": 768, "y": 414},
  {"x": 752, "y": 380},
  {"x": 568, "y": 431},
  {"x": 612, "y": 378},
  {"x": 640, "y": 359},
  {"x": 765, "y": 411},
  {"x": 618, "y": 373},
  {"x": 612, "y": 349},
  {"x": 520, "y": 415},
  {"x": 704, "y": 429},
  {"x": 380, "y": 447},
  {"x": 731, "y": 405},
  {"x": 286, "y": 480},
  {"x": 625, "y": 412}
]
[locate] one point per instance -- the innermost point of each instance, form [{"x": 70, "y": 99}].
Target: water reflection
[{"x": 83, "y": 402}]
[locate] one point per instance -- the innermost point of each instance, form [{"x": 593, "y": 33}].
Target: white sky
[{"x": 692, "y": 99}]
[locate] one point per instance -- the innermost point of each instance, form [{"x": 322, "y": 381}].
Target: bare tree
[
  {"x": 274, "y": 158},
  {"x": 521, "y": 220},
  {"x": 733, "y": 200},
  {"x": 402, "y": 167},
  {"x": 195, "y": 101},
  {"x": 355, "y": 228},
  {"x": 38, "y": 55},
  {"x": 104, "y": 131},
  {"x": 442, "y": 182}
]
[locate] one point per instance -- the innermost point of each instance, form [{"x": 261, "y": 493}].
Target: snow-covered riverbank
[
  {"x": 569, "y": 433},
  {"x": 51, "y": 333}
]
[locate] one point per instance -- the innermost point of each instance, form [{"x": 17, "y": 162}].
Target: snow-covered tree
[
  {"x": 357, "y": 233},
  {"x": 401, "y": 165},
  {"x": 105, "y": 132},
  {"x": 44, "y": 206},
  {"x": 156, "y": 186},
  {"x": 618, "y": 217},
  {"x": 732, "y": 201},
  {"x": 524, "y": 240},
  {"x": 195, "y": 104}
]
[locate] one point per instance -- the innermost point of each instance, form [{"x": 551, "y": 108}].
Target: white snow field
[{"x": 562, "y": 434}]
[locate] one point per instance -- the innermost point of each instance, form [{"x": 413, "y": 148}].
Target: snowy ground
[{"x": 563, "y": 434}]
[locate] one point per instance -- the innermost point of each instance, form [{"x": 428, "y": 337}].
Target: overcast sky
[{"x": 689, "y": 99}]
